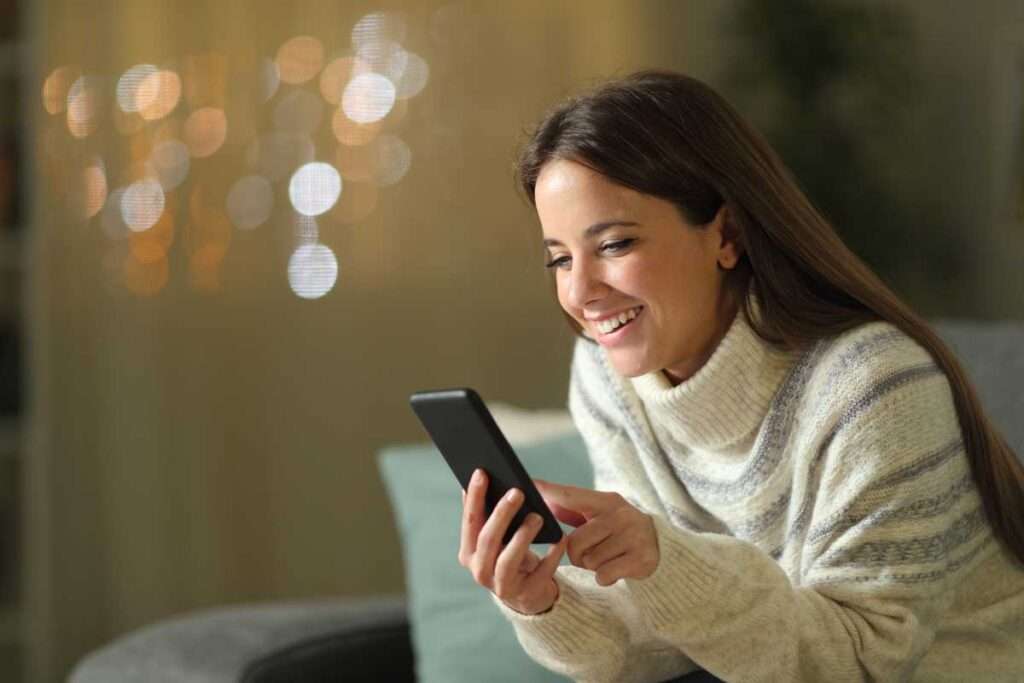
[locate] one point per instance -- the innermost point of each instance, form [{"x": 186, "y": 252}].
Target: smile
[{"x": 615, "y": 328}]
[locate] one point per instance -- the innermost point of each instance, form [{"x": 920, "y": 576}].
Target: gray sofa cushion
[
  {"x": 993, "y": 356},
  {"x": 229, "y": 644}
]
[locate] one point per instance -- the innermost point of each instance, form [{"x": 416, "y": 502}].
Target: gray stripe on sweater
[
  {"x": 921, "y": 550},
  {"x": 841, "y": 520},
  {"x": 874, "y": 393}
]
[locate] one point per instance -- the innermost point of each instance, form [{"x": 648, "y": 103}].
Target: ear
[{"x": 730, "y": 247}]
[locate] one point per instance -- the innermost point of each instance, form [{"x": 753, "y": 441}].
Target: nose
[{"x": 586, "y": 284}]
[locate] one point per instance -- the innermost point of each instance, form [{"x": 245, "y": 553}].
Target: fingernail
[
  {"x": 513, "y": 495},
  {"x": 533, "y": 518}
]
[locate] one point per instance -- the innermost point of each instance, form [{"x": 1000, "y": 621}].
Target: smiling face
[{"x": 615, "y": 249}]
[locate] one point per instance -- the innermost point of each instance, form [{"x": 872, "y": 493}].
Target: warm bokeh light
[
  {"x": 129, "y": 94},
  {"x": 165, "y": 89},
  {"x": 312, "y": 270},
  {"x": 87, "y": 189},
  {"x": 169, "y": 162},
  {"x": 368, "y": 97},
  {"x": 94, "y": 183},
  {"x": 300, "y": 59},
  {"x": 300, "y": 111},
  {"x": 153, "y": 244},
  {"x": 145, "y": 279},
  {"x": 142, "y": 204},
  {"x": 83, "y": 106},
  {"x": 314, "y": 188},
  {"x": 277, "y": 153},
  {"x": 349, "y": 132},
  {"x": 250, "y": 201},
  {"x": 337, "y": 74},
  {"x": 205, "y": 131},
  {"x": 56, "y": 87}
]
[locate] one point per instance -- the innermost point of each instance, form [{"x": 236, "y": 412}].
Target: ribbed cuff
[{"x": 580, "y": 623}]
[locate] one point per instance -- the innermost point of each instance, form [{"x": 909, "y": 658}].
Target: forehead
[{"x": 570, "y": 196}]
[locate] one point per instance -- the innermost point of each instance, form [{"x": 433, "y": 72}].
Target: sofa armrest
[{"x": 354, "y": 639}]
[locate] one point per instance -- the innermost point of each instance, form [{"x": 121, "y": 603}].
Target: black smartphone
[{"x": 466, "y": 434}]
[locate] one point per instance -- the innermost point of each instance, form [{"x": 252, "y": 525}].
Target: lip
[{"x": 622, "y": 334}]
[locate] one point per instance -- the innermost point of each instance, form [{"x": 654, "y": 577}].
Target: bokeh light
[
  {"x": 387, "y": 58},
  {"x": 336, "y": 75},
  {"x": 153, "y": 244},
  {"x": 300, "y": 59},
  {"x": 130, "y": 97},
  {"x": 413, "y": 79},
  {"x": 349, "y": 132},
  {"x": 394, "y": 158},
  {"x": 368, "y": 97},
  {"x": 83, "y": 106},
  {"x": 165, "y": 89},
  {"x": 87, "y": 190},
  {"x": 377, "y": 27},
  {"x": 170, "y": 162},
  {"x": 312, "y": 270},
  {"x": 142, "y": 204},
  {"x": 205, "y": 131},
  {"x": 250, "y": 202},
  {"x": 314, "y": 188},
  {"x": 111, "y": 218},
  {"x": 56, "y": 87}
]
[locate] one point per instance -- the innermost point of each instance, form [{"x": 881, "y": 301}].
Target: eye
[{"x": 613, "y": 247}]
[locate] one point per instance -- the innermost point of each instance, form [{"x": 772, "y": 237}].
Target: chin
[{"x": 627, "y": 365}]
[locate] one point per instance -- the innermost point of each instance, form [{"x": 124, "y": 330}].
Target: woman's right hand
[{"x": 514, "y": 573}]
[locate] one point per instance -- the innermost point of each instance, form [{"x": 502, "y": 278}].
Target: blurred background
[{"x": 234, "y": 237}]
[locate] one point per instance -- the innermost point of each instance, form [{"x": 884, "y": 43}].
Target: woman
[{"x": 794, "y": 479}]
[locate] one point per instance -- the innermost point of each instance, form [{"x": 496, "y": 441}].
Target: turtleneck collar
[{"x": 726, "y": 399}]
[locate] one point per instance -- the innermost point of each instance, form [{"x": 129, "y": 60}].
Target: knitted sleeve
[{"x": 595, "y": 633}]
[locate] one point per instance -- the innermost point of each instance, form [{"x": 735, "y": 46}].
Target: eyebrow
[{"x": 593, "y": 231}]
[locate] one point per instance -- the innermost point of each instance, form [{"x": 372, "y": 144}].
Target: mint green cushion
[{"x": 458, "y": 634}]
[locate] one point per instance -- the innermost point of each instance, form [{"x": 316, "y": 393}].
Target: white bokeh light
[
  {"x": 142, "y": 204},
  {"x": 312, "y": 270},
  {"x": 111, "y": 218},
  {"x": 129, "y": 96},
  {"x": 250, "y": 202},
  {"x": 368, "y": 97},
  {"x": 379, "y": 26},
  {"x": 414, "y": 78},
  {"x": 314, "y": 188}
]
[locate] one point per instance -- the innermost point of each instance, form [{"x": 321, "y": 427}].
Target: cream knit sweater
[{"x": 816, "y": 521}]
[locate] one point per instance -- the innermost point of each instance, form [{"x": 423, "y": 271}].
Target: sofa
[{"x": 389, "y": 637}]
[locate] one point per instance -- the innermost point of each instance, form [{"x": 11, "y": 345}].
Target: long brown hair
[{"x": 673, "y": 137}]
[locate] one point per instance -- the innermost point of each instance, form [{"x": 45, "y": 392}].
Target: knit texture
[{"x": 816, "y": 521}]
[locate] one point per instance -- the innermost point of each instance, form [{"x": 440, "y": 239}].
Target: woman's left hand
[{"x": 612, "y": 538}]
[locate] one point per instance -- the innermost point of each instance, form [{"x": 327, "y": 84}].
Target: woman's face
[{"x": 616, "y": 250}]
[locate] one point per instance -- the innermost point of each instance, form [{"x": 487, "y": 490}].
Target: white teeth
[{"x": 606, "y": 326}]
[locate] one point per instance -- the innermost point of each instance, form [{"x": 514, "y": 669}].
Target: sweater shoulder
[{"x": 864, "y": 355}]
